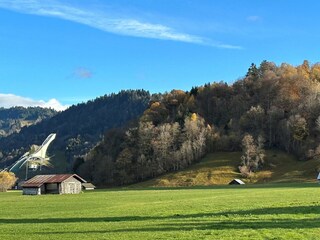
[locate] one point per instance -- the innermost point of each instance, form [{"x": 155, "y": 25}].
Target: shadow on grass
[
  {"x": 205, "y": 226},
  {"x": 275, "y": 211},
  {"x": 247, "y": 186},
  {"x": 294, "y": 210}
]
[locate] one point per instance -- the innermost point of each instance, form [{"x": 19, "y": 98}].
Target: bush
[{"x": 164, "y": 183}]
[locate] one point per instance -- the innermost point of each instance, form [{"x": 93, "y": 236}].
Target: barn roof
[{"x": 39, "y": 180}]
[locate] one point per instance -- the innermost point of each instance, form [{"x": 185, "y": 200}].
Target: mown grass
[
  {"x": 221, "y": 168},
  {"x": 278, "y": 211}
]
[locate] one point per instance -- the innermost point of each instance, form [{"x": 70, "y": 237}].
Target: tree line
[{"x": 270, "y": 107}]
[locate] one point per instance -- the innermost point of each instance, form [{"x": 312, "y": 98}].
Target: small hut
[
  {"x": 236, "y": 182},
  {"x": 88, "y": 186},
  {"x": 318, "y": 178},
  {"x": 54, "y": 184}
]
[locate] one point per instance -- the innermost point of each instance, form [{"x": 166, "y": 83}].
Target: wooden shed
[
  {"x": 53, "y": 184},
  {"x": 236, "y": 182}
]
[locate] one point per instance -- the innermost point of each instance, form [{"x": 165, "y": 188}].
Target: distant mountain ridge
[
  {"x": 15, "y": 118},
  {"x": 79, "y": 127}
]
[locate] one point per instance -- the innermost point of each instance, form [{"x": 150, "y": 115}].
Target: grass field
[{"x": 278, "y": 211}]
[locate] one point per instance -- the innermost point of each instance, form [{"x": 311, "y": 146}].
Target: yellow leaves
[
  {"x": 315, "y": 72},
  {"x": 287, "y": 71},
  {"x": 304, "y": 69},
  {"x": 193, "y": 117},
  {"x": 178, "y": 92},
  {"x": 174, "y": 98},
  {"x": 7, "y": 180},
  {"x": 156, "y": 113},
  {"x": 155, "y": 105},
  {"x": 179, "y": 95}
]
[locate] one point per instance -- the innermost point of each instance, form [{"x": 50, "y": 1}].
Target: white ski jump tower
[
  {"x": 33, "y": 160},
  {"x": 40, "y": 153}
]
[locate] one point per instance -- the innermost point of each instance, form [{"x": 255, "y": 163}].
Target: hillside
[
  {"x": 78, "y": 128},
  {"x": 221, "y": 168},
  {"x": 271, "y": 107},
  {"x": 15, "y": 118}
]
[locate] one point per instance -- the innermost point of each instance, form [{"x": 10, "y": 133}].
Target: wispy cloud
[
  {"x": 11, "y": 100},
  {"x": 99, "y": 20},
  {"x": 82, "y": 72},
  {"x": 253, "y": 18}
]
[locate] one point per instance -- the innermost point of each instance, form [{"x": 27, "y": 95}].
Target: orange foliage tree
[{"x": 7, "y": 180}]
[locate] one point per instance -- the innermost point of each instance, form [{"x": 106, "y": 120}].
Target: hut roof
[
  {"x": 236, "y": 181},
  {"x": 88, "y": 185},
  {"x": 39, "y": 180}
]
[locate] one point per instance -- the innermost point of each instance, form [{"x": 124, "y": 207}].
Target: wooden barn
[{"x": 53, "y": 184}]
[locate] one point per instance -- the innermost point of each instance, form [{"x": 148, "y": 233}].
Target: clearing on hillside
[{"x": 221, "y": 168}]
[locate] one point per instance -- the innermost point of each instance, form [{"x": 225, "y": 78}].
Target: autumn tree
[
  {"x": 315, "y": 72},
  {"x": 253, "y": 120},
  {"x": 124, "y": 166},
  {"x": 7, "y": 180},
  {"x": 252, "y": 154},
  {"x": 146, "y": 132},
  {"x": 304, "y": 69},
  {"x": 298, "y": 127}
]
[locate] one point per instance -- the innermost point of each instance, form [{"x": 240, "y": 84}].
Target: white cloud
[
  {"x": 102, "y": 21},
  {"x": 82, "y": 72},
  {"x": 253, "y": 18},
  {"x": 11, "y": 100}
]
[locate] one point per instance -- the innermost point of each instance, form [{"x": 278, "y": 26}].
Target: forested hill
[
  {"x": 79, "y": 127},
  {"x": 13, "y": 119},
  {"x": 271, "y": 107}
]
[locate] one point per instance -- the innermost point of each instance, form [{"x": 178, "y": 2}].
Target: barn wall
[
  {"x": 70, "y": 186},
  {"x": 52, "y": 188},
  {"x": 31, "y": 191},
  {"x": 42, "y": 189}
]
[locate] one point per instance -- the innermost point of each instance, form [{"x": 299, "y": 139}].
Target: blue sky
[{"x": 61, "y": 52}]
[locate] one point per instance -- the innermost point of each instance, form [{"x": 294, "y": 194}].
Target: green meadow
[{"x": 275, "y": 211}]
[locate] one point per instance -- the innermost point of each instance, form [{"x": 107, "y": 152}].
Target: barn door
[{"x": 72, "y": 188}]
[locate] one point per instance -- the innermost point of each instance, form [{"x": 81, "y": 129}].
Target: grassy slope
[
  {"x": 281, "y": 211},
  {"x": 221, "y": 168}
]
